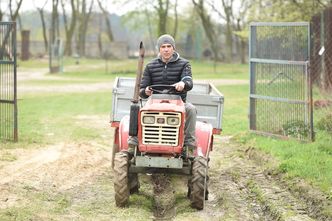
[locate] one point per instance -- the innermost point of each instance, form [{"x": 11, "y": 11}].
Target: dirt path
[
  {"x": 74, "y": 181},
  {"x": 54, "y": 168},
  {"x": 245, "y": 192},
  {"x": 240, "y": 190}
]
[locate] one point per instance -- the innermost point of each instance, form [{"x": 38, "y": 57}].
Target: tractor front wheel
[
  {"x": 198, "y": 183},
  {"x": 121, "y": 187}
]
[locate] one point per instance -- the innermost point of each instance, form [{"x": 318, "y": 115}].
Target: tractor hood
[{"x": 164, "y": 103}]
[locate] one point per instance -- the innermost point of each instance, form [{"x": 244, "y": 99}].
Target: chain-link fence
[
  {"x": 8, "y": 101},
  {"x": 321, "y": 48},
  {"x": 280, "y": 89}
]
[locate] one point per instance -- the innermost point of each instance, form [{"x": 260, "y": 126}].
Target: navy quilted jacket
[{"x": 159, "y": 72}]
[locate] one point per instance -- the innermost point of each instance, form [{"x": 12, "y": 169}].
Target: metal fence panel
[
  {"x": 280, "y": 86},
  {"x": 8, "y": 88}
]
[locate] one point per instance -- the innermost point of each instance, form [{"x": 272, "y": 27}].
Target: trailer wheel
[
  {"x": 197, "y": 185},
  {"x": 121, "y": 187}
]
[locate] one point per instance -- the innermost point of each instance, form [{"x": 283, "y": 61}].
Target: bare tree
[
  {"x": 1, "y": 14},
  {"x": 54, "y": 32},
  {"x": 69, "y": 28},
  {"x": 228, "y": 10},
  {"x": 176, "y": 19},
  {"x": 107, "y": 20},
  {"x": 40, "y": 10},
  {"x": 150, "y": 29},
  {"x": 162, "y": 10},
  {"x": 239, "y": 27},
  {"x": 226, "y": 13},
  {"x": 14, "y": 12},
  {"x": 208, "y": 27},
  {"x": 84, "y": 17}
]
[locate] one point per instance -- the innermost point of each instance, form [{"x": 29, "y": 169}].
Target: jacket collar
[{"x": 174, "y": 58}]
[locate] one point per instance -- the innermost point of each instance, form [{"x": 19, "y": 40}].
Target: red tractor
[{"x": 160, "y": 133}]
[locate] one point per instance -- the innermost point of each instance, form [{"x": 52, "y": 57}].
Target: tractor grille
[{"x": 162, "y": 130}]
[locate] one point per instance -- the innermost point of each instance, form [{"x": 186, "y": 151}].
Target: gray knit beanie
[{"x": 165, "y": 39}]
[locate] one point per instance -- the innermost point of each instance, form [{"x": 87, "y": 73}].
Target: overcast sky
[{"x": 111, "y": 6}]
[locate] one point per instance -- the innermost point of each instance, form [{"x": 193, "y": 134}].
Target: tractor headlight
[
  {"x": 148, "y": 120},
  {"x": 173, "y": 120}
]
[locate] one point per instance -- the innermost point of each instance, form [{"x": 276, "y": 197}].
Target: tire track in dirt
[
  {"x": 245, "y": 193},
  {"x": 240, "y": 190}
]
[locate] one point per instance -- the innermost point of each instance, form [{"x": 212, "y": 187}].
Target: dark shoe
[
  {"x": 188, "y": 152},
  {"x": 132, "y": 144},
  {"x": 131, "y": 150}
]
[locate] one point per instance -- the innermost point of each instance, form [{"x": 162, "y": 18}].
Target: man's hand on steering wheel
[
  {"x": 148, "y": 91},
  {"x": 179, "y": 86},
  {"x": 165, "y": 89}
]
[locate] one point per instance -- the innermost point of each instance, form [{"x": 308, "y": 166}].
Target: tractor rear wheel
[
  {"x": 198, "y": 183},
  {"x": 121, "y": 187}
]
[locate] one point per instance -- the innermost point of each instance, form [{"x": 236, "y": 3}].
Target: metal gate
[
  {"x": 8, "y": 85},
  {"x": 280, "y": 84}
]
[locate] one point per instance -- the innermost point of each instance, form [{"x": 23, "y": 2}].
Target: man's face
[{"x": 166, "y": 51}]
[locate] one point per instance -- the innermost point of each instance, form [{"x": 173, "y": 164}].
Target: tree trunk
[
  {"x": 228, "y": 10},
  {"x": 42, "y": 17},
  {"x": 107, "y": 20},
  {"x": 150, "y": 31},
  {"x": 69, "y": 30},
  {"x": 176, "y": 19},
  {"x": 208, "y": 27},
  {"x": 84, "y": 20},
  {"x": 241, "y": 43},
  {"x": 19, "y": 21},
  {"x": 55, "y": 21},
  {"x": 162, "y": 13},
  {"x": 13, "y": 15},
  {"x": 100, "y": 42}
]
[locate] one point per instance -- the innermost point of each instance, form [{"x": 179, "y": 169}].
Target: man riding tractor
[{"x": 163, "y": 136}]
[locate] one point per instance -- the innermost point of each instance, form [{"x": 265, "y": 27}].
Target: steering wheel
[{"x": 164, "y": 89}]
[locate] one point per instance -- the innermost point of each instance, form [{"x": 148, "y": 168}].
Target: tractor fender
[
  {"x": 124, "y": 133},
  {"x": 204, "y": 138}
]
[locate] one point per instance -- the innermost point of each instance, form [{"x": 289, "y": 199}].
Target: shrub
[
  {"x": 325, "y": 123},
  {"x": 295, "y": 128}
]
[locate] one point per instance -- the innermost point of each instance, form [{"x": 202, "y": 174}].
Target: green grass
[
  {"x": 48, "y": 118},
  {"x": 311, "y": 161},
  {"x": 58, "y": 82},
  {"x": 43, "y": 62},
  {"x": 207, "y": 70},
  {"x": 235, "y": 115}
]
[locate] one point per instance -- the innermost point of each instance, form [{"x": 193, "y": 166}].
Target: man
[{"x": 170, "y": 69}]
